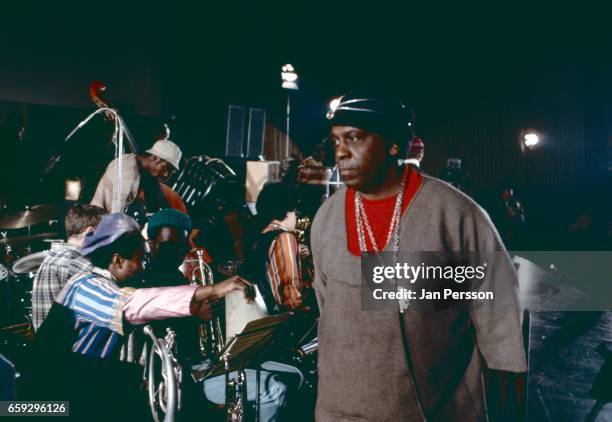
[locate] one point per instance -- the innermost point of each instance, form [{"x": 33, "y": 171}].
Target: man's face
[
  {"x": 124, "y": 269},
  {"x": 363, "y": 157},
  {"x": 159, "y": 168},
  {"x": 169, "y": 247}
]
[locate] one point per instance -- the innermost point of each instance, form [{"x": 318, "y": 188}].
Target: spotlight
[
  {"x": 72, "y": 189},
  {"x": 531, "y": 139},
  {"x": 289, "y": 77}
]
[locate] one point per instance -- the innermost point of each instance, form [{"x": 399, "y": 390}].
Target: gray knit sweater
[{"x": 387, "y": 366}]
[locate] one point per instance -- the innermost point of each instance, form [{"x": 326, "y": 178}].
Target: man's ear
[
  {"x": 394, "y": 150},
  {"x": 151, "y": 244}
]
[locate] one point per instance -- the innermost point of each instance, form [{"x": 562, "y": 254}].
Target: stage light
[
  {"x": 531, "y": 139},
  {"x": 72, "y": 189},
  {"x": 289, "y": 77}
]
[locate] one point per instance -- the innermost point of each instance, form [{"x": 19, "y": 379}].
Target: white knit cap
[{"x": 167, "y": 150}]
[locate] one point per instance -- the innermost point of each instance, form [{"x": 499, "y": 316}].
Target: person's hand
[
  {"x": 205, "y": 309},
  {"x": 205, "y": 303},
  {"x": 303, "y": 251},
  {"x": 234, "y": 283}
]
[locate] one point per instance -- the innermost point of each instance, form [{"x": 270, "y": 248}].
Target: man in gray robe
[{"x": 416, "y": 365}]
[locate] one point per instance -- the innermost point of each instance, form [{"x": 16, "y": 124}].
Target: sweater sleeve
[
  {"x": 316, "y": 242},
  {"x": 498, "y": 321}
]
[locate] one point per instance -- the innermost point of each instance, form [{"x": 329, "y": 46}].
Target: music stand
[{"x": 243, "y": 349}]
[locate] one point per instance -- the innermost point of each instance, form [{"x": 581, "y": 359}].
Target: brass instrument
[
  {"x": 163, "y": 376},
  {"x": 235, "y": 394},
  {"x": 301, "y": 228},
  {"x": 211, "y": 337}
]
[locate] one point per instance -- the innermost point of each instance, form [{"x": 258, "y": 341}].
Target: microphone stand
[
  {"x": 55, "y": 159},
  {"x": 119, "y": 133}
]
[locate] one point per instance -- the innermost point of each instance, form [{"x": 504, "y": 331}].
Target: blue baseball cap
[{"x": 111, "y": 228}]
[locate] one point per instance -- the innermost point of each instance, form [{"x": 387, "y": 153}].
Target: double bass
[{"x": 153, "y": 195}]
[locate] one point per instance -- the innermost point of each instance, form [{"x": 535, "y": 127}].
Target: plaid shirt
[{"x": 62, "y": 262}]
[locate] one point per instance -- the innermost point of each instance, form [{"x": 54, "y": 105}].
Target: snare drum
[
  {"x": 24, "y": 270},
  {"x": 29, "y": 264}
]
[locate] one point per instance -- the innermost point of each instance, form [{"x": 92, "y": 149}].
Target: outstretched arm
[{"x": 146, "y": 305}]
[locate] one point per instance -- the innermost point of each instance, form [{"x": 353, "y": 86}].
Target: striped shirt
[
  {"x": 284, "y": 270},
  {"x": 103, "y": 312},
  {"x": 62, "y": 262},
  {"x": 97, "y": 303}
]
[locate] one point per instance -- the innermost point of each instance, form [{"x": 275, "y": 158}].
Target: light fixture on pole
[
  {"x": 289, "y": 78},
  {"x": 531, "y": 139}
]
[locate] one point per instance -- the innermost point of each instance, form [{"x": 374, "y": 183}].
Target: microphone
[
  {"x": 87, "y": 119},
  {"x": 49, "y": 165}
]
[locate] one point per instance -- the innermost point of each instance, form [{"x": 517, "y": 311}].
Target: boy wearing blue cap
[{"x": 102, "y": 311}]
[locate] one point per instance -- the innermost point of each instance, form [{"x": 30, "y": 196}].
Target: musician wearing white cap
[{"x": 141, "y": 179}]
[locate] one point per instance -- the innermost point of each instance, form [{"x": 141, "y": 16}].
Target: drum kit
[{"x": 21, "y": 256}]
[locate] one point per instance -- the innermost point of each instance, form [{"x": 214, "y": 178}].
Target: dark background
[{"x": 476, "y": 74}]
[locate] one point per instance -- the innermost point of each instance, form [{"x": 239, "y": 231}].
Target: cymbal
[
  {"x": 35, "y": 214},
  {"x": 24, "y": 240}
]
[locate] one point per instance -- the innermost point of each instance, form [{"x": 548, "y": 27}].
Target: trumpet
[
  {"x": 211, "y": 338},
  {"x": 301, "y": 228},
  {"x": 302, "y": 232}
]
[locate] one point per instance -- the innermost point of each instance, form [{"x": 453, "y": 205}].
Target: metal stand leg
[{"x": 257, "y": 392}]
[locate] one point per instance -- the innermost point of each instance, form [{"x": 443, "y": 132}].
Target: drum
[
  {"x": 5, "y": 295},
  {"x": 16, "y": 310},
  {"x": 17, "y": 246},
  {"x": 24, "y": 270},
  {"x": 29, "y": 263}
]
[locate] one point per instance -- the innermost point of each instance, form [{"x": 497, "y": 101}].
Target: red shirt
[{"x": 379, "y": 213}]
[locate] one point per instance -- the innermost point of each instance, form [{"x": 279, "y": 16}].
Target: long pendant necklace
[{"x": 393, "y": 233}]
